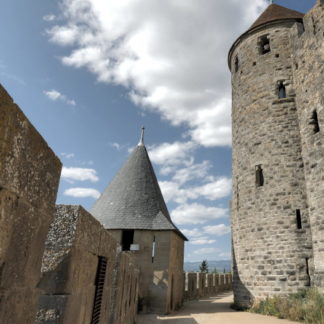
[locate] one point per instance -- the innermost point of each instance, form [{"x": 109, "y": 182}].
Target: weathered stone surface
[
  {"x": 28, "y": 167},
  {"x": 271, "y": 254},
  {"x": 308, "y": 58},
  {"x": 74, "y": 244},
  {"x": 124, "y": 301},
  {"x": 161, "y": 281},
  {"x": 29, "y": 176}
]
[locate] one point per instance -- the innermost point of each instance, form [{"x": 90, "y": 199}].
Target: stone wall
[
  {"x": 270, "y": 251},
  {"x": 176, "y": 283},
  {"x": 161, "y": 284},
  {"x": 199, "y": 285},
  {"x": 81, "y": 271},
  {"x": 125, "y": 290},
  {"x": 308, "y": 69},
  {"x": 29, "y": 177}
]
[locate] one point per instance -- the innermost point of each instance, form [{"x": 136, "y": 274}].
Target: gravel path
[{"x": 210, "y": 310}]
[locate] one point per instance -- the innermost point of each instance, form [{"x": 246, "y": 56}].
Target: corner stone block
[{"x": 73, "y": 246}]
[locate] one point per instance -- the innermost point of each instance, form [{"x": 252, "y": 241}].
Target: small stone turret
[{"x": 133, "y": 210}]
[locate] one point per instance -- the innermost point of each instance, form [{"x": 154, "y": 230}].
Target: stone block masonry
[
  {"x": 308, "y": 69},
  {"x": 277, "y": 115},
  {"x": 123, "y": 307},
  {"x": 84, "y": 278},
  {"x": 29, "y": 177}
]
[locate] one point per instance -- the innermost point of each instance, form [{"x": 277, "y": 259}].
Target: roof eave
[{"x": 176, "y": 230}]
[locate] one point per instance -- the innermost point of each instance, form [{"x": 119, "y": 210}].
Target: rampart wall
[
  {"x": 29, "y": 177},
  {"x": 83, "y": 275},
  {"x": 199, "y": 285}
]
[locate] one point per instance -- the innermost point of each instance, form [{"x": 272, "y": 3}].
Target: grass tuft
[{"x": 305, "y": 306}]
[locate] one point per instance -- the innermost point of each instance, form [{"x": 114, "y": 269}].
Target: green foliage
[
  {"x": 305, "y": 306},
  {"x": 204, "y": 266}
]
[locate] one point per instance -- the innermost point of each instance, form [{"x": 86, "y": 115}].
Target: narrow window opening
[
  {"x": 153, "y": 249},
  {"x": 298, "y": 219},
  {"x": 237, "y": 63},
  {"x": 314, "y": 122},
  {"x": 307, "y": 272},
  {"x": 99, "y": 283},
  {"x": 281, "y": 90},
  {"x": 237, "y": 194},
  {"x": 259, "y": 179},
  {"x": 127, "y": 239},
  {"x": 277, "y": 55},
  {"x": 264, "y": 45}
]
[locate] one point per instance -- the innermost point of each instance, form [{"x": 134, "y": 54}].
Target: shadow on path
[
  {"x": 210, "y": 310},
  {"x": 205, "y": 305}
]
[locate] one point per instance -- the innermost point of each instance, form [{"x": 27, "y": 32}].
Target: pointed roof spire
[
  {"x": 141, "y": 142},
  {"x": 133, "y": 199}
]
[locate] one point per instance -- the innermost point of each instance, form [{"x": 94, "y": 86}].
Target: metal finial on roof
[{"x": 141, "y": 142}]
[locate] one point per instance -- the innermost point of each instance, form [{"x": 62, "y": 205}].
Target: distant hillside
[{"x": 219, "y": 265}]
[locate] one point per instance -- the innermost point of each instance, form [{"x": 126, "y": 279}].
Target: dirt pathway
[{"x": 210, "y": 310}]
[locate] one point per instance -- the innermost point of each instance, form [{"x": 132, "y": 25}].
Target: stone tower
[
  {"x": 277, "y": 211},
  {"x": 133, "y": 210}
]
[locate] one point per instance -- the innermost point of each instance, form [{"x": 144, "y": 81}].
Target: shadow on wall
[{"x": 242, "y": 296}]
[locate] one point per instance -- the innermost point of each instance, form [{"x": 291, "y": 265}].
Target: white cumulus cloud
[
  {"x": 206, "y": 251},
  {"x": 216, "y": 189},
  {"x": 197, "y": 214},
  {"x": 68, "y": 155},
  {"x": 55, "y": 95},
  {"x": 218, "y": 230},
  {"x": 49, "y": 17},
  {"x": 201, "y": 241},
  {"x": 79, "y": 174},
  {"x": 82, "y": 193},
  {"x": 171, "y": 55},
  {"x": 170, "y": 154}
]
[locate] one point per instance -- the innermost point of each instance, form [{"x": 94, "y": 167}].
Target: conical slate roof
[
  {"x": 133, "y": 200},
  {"x": 275, "y": 12}
]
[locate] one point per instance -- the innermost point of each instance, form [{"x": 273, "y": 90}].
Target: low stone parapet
[
  {"x": 199, "y": 285},
  {"x": 83, "y": 274}
]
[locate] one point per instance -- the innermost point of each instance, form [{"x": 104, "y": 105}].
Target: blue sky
[{"x": 88, "y": 74}]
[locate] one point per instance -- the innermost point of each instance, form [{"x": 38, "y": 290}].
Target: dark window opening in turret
[
  {"x": 153, "y": 249},
  {"x": 298, "y": 219},
  {"x": 308, "y": 283},
  {"x": 127, "y": 239},
  {"x": 237, "y": 64},
  {"x": 314, "y": 122},
  {"x": 259, "y": 179},
  {"x": 264, "y": 45},
  {"x": 281, "y": 90}
]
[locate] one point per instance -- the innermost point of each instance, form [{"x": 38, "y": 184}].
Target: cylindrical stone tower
[{"x": 272, "y": 247}]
